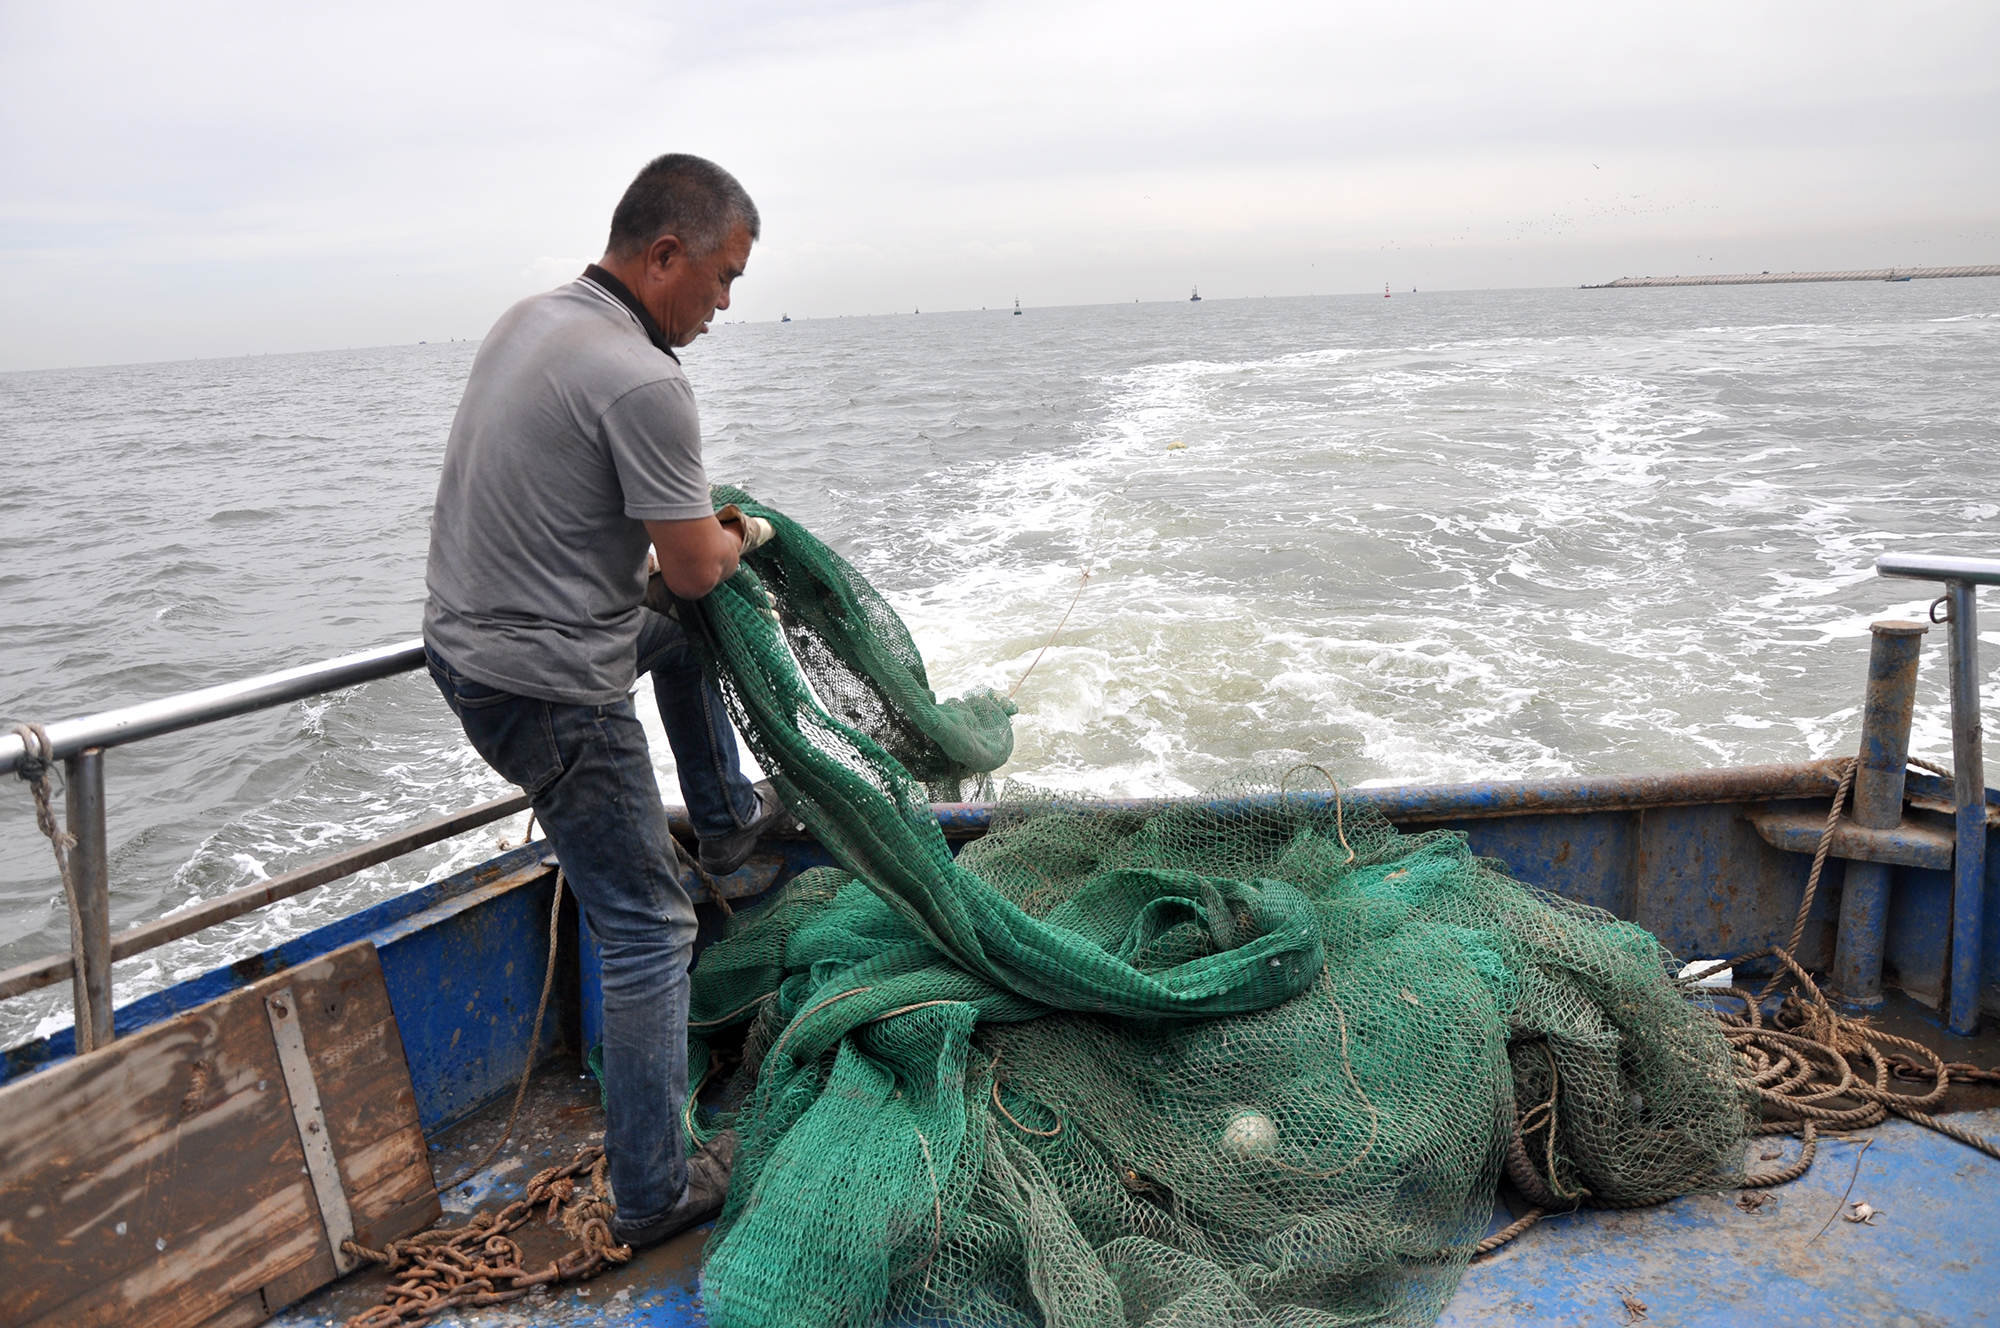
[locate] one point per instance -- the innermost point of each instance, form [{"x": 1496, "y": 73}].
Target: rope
[
  {"x": 1786, "y": 1175},
  {"x": 1844, "y": 1193},
  {"x": 1024, "y": 1129},
  {"x": 1081, "y": 582},
  {"x": 1499, "y": 1238},
  {"x": 937, "y": 1206},
  {"x": 1948, "y": 1130},
  {"x": 1802, "y": 1066},
  {"x": 1339, "y": 813},
  {"x": 1819, "y": 862},
  {"x": 851, "y": 991},
  {"x": 1347, "y": 1068},
  {"x": 723, "y": 1019},
  {"x": 1847, "y": 773},
  {"x": 38, "y": 756},
  {"x": 1811, "y": 1068},
  {"x": 688, "y": 1131},
  {"x": 1089, "y": 565},
  {"x": 445, "y": 1271},
  {"x": 527, "y": 833},
  {"x": 534, "y": 1041}
]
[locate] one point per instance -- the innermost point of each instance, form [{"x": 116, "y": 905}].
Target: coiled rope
[{"x": 1801, "y": 1066}]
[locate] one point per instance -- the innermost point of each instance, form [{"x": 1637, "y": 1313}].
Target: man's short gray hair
[{"x": 681, "y": 195}]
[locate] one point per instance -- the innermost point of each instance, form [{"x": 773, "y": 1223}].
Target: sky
[{"x": 204, "y": 179}]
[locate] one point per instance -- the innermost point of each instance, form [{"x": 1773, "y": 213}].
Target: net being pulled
[{"x": 1249, "y": 1059}]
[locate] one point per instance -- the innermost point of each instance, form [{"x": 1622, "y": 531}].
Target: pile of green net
[{"x": 1249, "y": 1059}]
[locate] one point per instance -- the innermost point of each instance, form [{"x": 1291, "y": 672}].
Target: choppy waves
[{"x": 1456, "y": 537}]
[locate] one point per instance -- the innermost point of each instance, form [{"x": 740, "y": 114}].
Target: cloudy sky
[{"x": 217, "y": 179}]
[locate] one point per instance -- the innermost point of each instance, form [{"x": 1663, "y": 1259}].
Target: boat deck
[{"x": 1932, "y": 1257}]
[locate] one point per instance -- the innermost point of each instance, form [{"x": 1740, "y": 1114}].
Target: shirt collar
[{"x": 624, "y": 296}]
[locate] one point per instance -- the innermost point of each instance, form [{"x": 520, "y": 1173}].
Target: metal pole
[
  {"x": 1968, "y": 887},
  {"x": 90, "y": 878},
  {"x": 1878, "y": 805},
  {"x": 47, "y": 972}
]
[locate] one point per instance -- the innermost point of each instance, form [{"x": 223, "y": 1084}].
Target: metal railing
[
  {"x": 1961, "y": 577},
  {"x": 80, "y": 745}
]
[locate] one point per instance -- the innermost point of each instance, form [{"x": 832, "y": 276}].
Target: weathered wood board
[{"x": 161, "y": 1180}]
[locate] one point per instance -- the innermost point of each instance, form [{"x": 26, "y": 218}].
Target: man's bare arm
[{"x": 695, "y": 556}]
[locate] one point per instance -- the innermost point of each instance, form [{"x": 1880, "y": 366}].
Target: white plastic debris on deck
[{"x": 1722, "y": 977}]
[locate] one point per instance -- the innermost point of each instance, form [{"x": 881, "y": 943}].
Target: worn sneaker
[
  {"x": 707, "y": 1187},
  {"x": 723, "y": 855}
]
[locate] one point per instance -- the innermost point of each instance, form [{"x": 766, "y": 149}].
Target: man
[{"x": 575, "y": 450}]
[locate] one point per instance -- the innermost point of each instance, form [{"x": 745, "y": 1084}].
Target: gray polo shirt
[{"x": 574, "y": 429}]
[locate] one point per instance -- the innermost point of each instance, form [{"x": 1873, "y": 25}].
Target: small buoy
[
  {"x": 1250, "y": 1134},
  {"x": 1177, "y": 446}
]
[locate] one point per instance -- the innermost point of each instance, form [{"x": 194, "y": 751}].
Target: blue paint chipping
[{"x": 1928, "y": 1260}]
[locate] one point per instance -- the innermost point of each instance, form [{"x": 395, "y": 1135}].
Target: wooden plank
[{"x": 160, "y": 1180}]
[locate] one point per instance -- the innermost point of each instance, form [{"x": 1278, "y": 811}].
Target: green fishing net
[{"x": 1250, "y": 1059}]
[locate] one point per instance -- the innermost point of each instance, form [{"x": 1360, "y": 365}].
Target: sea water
[{"x": 1438, "y": 537}]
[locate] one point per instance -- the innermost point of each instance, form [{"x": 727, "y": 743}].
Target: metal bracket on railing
[{"x": 1962, "y": 577}]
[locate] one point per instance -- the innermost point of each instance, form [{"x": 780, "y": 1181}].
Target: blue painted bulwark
[{"x": 1676, "y": 853}]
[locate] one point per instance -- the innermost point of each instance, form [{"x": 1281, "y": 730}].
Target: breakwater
[{"x": 1783, "y": 278}]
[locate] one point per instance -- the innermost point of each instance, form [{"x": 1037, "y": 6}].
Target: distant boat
[
  {"x": 786, "y": 319},
  {"x": 1385, "y": 290},
  {"x": 1196, "y": 297},
  {"x": 1895, "y": 278},
  {"x": 1017, "y": 304}
]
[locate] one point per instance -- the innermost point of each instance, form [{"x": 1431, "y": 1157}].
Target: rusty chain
[
  {"x": 1910, "y": 1070},
  {"x": 480, "y": 1264}
]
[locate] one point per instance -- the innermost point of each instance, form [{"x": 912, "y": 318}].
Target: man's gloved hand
[
  {"x": 755, "y": 530},
  {"x": 659, "y": 599}
]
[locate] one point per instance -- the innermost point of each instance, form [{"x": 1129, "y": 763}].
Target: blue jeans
[
  {"x": 719, "y": 799},
  {"x": 587, "y": 772}
]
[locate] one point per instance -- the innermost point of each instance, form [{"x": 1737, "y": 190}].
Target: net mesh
[{"x": 1252, "y": 1059}]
